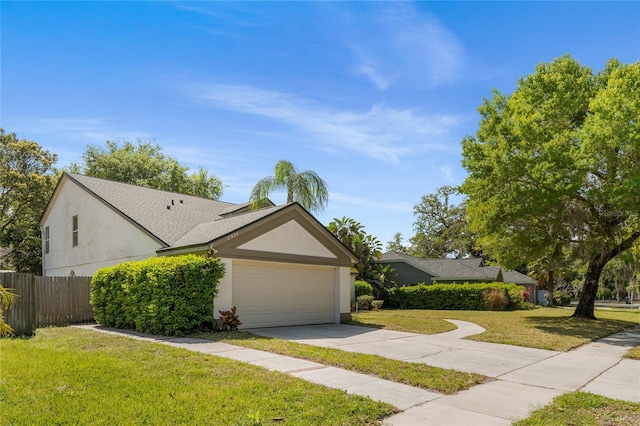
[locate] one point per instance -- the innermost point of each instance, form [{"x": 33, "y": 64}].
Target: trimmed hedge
[
  {"x": 170, "y": 296},
  {"x": 452, "y": 296}
]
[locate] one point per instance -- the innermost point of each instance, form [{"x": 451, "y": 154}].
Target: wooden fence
[{"x": 46, "y": 301}]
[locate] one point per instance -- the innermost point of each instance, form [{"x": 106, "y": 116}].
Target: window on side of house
[
  {"x": 46, "y": 240},
  {"x": 74, "y": 234}
]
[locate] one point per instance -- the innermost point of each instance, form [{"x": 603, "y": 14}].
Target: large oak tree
[
  {"x": 27, "y": 179},
  {"x": 555, "y": 166},
  {"x": 144, "y": 164},
  {"x": 441, "y": 227}
]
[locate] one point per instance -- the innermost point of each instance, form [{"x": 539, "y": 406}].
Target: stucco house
[
  {"x": 413, "y": 270},
  {"x": 283, "y": 267}
]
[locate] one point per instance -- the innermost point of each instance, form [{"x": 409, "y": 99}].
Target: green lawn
[
  {"x": 582, "y": 408},
  {"x": 634, "y": 353},
  {"x": 545, "y": 328},
  {"x": 414, "y": 374},
  {"x": 73, "y": 376}
]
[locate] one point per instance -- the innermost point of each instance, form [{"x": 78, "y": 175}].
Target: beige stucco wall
[
  {"x": 223, "y": 300},
  {"x": 104, "y": 237},
  {"x": 290, "y": 238},
  {"x": 344, "y": 283}
]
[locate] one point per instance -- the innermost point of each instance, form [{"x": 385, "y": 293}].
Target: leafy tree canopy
[
  {"x": 555, "y": 166},
  {"x": 27, "y": 179},
  {"x": 397, "y": 245},
  {"x": 305, "y": 187},
  {"x": 144, "y": 164},
  {"x": 441, "y": 227}
]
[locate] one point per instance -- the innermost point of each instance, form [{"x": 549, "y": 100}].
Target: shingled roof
[
  {"x": 174, "y": 219},
  {"x": 445, "y": 269}
]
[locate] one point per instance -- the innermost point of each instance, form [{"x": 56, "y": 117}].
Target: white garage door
[{"x": 277, "y": 294}]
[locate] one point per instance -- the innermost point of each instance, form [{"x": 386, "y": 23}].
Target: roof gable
[
  {"x": 166, "y": 216},
  {"x": 184, "y": 223},
  {"x": 289, "y": 238}
]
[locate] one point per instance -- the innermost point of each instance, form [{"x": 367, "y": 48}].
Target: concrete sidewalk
[{"x": 525, "y": 378}]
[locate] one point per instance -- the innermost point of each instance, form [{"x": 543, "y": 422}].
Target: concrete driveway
[
  {"x": 525, "y": 378},
  {"x": 446, "y": 350}
]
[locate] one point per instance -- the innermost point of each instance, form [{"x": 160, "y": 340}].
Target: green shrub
[
  {"x": 560, "y": 298},
  {"x": 494, "y": 299},
  {"x": 377, "y": 304},
  {"x": 363, "y": 288},
  {"x": 364, "y": 302},
  {"x": 171, "y": 296},
  {"x": 452, "y": 296}
]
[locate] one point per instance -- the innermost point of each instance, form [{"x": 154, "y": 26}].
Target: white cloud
[
  {"x": 382, "y": 132},
  {"x": 349, "y": 199},
  {"x": 88, "y": 130},
  {"x": 397, "y": 42}
]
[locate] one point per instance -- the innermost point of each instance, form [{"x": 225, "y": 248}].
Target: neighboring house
[
  {"x": 413, "y": 270},
  {"x": 283, "y": 267}
]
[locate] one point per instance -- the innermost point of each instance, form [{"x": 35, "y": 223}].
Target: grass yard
[
  {"x": 633, "y": 353},
  {"x": 544, "y": 328},
  {"x": 582, "y": 408},
  {"x": 414, "y": 374},
  {"x": 73, "y": 376}
]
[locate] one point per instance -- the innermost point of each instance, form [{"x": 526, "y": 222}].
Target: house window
[
  {"x": 46, "y": 240},
  {"x": 74, "y": 234}
]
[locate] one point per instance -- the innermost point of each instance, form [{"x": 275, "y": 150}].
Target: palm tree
[{"x": 306, "y": 187}]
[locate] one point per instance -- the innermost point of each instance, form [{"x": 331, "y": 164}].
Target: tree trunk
[
  {"x": 585, "y": 308},
  {"x": 550, "y": 285}
]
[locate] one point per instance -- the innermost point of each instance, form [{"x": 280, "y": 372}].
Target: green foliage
[
  {"x": 452, "y": 296},
  {"x": 306, "y": 187},
  {"x": 441, "y": 227},
  {"x": 363, "y": 288},
  {"x": 554, "y": 168},
  {"x": 171, "y": 296},
  {"x": 27, "y": 179},
  {"x": 397, "y": 245},
  {"x": 377, "y": 304},
  {"x": 230, "y": 320},
  {"x": 604, "y": 293},
  {"x": 364, "y": 302},
  {"x": 145, "y": 165},
  {"x": 252, "y": 418},
  {"x": 560, "y": 298},
  {"x": 368, "y": 250},
  {"x": 619, "y": 294},
  {"x": 7, "y": 300}
]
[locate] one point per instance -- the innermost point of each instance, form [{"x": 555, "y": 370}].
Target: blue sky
[{"x": 374, "y": 96}]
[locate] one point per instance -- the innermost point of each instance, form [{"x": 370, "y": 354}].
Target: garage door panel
[{"x": 270, "y": 294}]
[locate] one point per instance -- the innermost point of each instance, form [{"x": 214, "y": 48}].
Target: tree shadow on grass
[{"x": 578, "y": 327}]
